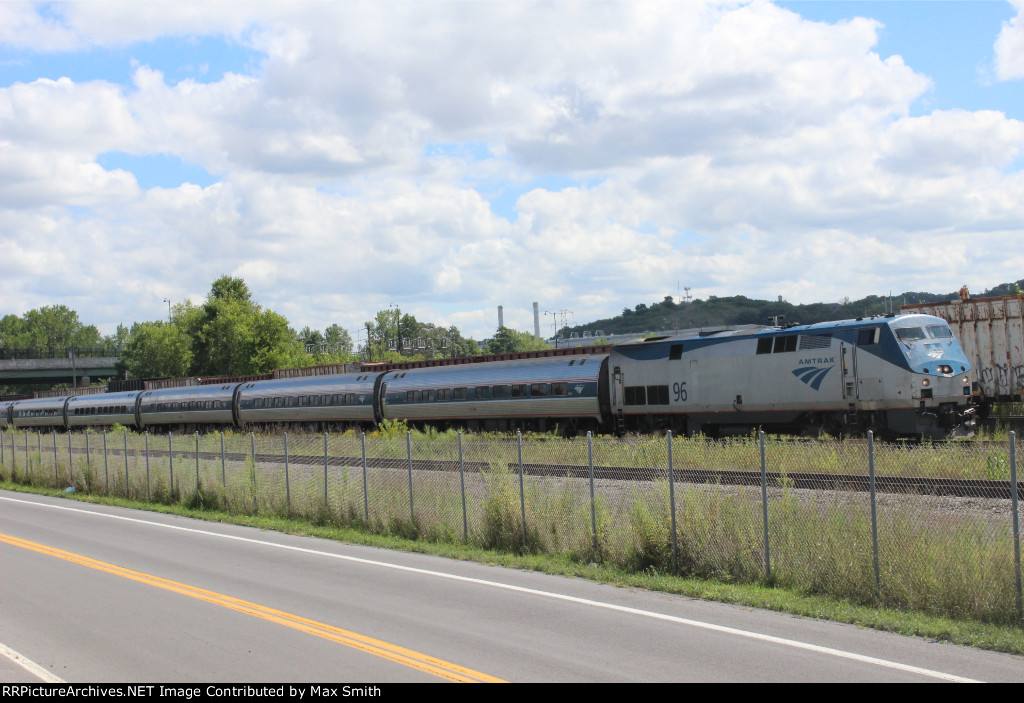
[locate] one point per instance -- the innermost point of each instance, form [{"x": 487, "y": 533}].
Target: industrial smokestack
[
  {"x": 536, "y": 321},
  {"x": 501, "y": 318}
]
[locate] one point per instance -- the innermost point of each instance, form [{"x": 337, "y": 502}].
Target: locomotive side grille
[{"x": 815, "y": 341}]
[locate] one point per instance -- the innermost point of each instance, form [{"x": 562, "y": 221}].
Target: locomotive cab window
[
  {"x": 869, "y": 336},
  {"x": 675, "y": 352},
  {"x": 909, "y": 334},
  {"x": 764, "y": 345},
  {"x": 940, "y": 331}
]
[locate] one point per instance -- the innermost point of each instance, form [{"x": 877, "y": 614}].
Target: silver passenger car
[
  {"x": 40, "y": 412},
  {"x": 187, "y": 405},
  {"x": 336, "y": 398},
  {"x": 565, "y": 387},
  {"x": 103, "y": 409}
]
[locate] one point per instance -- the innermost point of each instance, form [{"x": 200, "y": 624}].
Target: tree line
[
  {"x": 668, "y": 314},
  {"x": 230, "y": 334}
]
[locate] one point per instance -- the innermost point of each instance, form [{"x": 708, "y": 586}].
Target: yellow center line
[{"x": 380, "y": 648}]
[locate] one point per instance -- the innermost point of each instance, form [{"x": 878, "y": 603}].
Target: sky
[{"x": 450, "y": 157}]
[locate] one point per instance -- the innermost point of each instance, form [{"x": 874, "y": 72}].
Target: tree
[
  {"x": 228, "y": 335},
  {"x": 338, "y": 339},
  {"x": 508, "y": 340},
  {"x": 232, "y": 335},
  {"x": 51, "y": 327},
  {"x": 394, "y": 338},
  {"x": 157, "y": 350}
]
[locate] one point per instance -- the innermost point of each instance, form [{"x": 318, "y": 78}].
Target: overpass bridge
[{"x": 77, "y": 366}]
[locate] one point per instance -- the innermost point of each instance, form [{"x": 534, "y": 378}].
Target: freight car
[{"x": 896, "y": 375}]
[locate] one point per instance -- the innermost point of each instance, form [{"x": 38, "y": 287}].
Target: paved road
[{"x": 95, "y": 593}]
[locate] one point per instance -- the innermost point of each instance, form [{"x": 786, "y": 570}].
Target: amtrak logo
[
  {"x": 579, "y": 389},
  {"x": 812, "y": 375}
]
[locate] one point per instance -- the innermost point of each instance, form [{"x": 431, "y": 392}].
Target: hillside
[{"x": 740, "y": 310}]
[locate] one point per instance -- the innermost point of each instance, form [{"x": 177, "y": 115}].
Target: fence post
[
  {"x": 56, "y": 477},
  {"x": 127, "y": 485},
  {"x": 764, "y": 511},
  {"x": 462, "y": 488},
  {"x": 252, "y": 449},
  {"x": 28, "y": 464},
  {"x": 87, "y": 457},
  {"x": 287, "y": 485},
  {"x": 223, "y": 467},
  {"x": 71, "y": 461},
  {"x": 149, "y": 492},
  {"x": 106, "y": 465},
  {"x": 874, "y": 512},
  {"x": 522, "y": 495},
  {"x": 197, "y": 464},
  {"x": 593, "y": 504},
  {"x": 366, "y": 493},
  {"x": 672, "y": 501},
  {"x": 326, "y": 506},
  {"x": 170, "y": 460},
  {"x": 408, "y": 454},
  {"x": 3, "y": 463},
  {"x": 1016, "y": 521}
]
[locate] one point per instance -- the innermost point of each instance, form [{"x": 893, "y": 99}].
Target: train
[{"x": 900, "y": 376}]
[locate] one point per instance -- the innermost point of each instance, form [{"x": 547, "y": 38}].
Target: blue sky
[
  {"x": 451, "y": 157},
  {"x": 949, "y": 41}
]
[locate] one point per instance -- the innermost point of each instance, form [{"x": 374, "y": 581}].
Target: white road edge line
[
  {"x": 545, "y": 594},
  {"x": 29, "y": 665}
]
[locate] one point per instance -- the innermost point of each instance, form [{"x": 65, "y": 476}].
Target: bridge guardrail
[{"x": 100, "y": 350}]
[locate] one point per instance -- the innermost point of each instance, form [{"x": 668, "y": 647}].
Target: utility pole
[
  {"x": 398, "y": 327},
  {"x": 168, "y": 301},
  {"x": 563, "y": 314}
]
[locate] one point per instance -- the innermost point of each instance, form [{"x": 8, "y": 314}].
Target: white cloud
[{"x": 1009, "y": 47}]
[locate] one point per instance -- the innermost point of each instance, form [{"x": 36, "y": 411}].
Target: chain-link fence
[{"x": 933, "y": 528}]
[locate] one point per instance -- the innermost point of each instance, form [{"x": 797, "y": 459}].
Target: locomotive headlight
[
  {"x": 965, "y": 380},
  {"x": 926, "y": 382}
]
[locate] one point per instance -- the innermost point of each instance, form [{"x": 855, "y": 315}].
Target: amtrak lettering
[{"x": 818, "y": 361}]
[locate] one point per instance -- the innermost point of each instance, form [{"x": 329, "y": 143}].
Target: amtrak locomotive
[{"x": 899, "y": 376}]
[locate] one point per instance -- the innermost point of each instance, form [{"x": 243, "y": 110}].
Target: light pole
[
  {"x": 168, "y": 301},
  {"x": 398, "y": 327}
]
